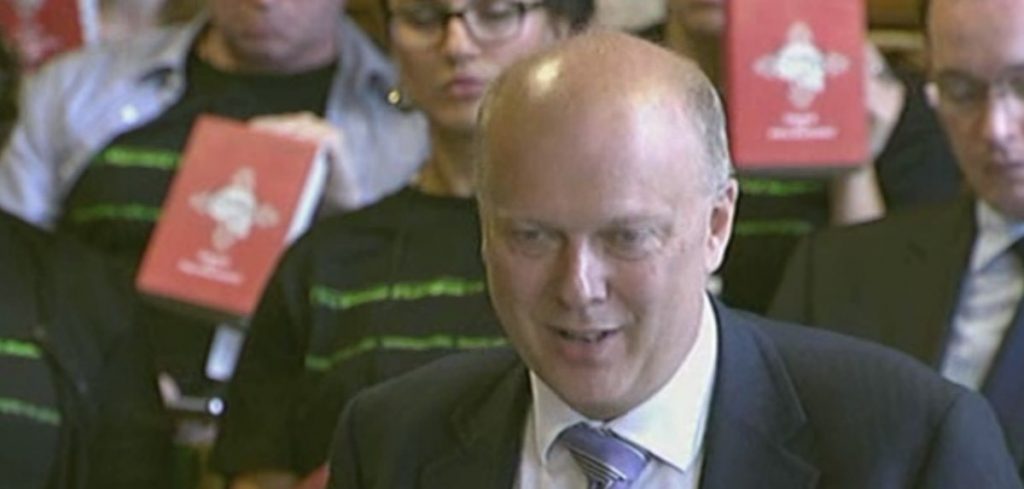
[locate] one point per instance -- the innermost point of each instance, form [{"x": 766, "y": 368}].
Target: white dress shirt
[
  {"x": 670, "y": 425},
  {"x": 991, "y": 289}
]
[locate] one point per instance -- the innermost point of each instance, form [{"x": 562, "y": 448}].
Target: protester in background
[
  {"x": 102, "y": 130},
  {"x": 911, "y": 162},
  {"x": 606, "y": 202},
  {"x": 944, "y": 283},
  {"x": 79, "y": 408},
  {"x": 367, "y": 296}
]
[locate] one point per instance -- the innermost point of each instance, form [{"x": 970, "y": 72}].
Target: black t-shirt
[
  {"x": 78, "y": 398},
  {"x": 771, "y": 216},
  {"x": 30, "y": 419},
  {"x": 115, "y": 203},
  {"x": 358, "y": 300},
  {"x": 916, "y": 166}
]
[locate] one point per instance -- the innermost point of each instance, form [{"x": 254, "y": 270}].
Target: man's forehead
[{"x": 976, "y": 35}]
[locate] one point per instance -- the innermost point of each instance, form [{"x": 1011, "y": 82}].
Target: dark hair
[{"x": 578, "y": 13}]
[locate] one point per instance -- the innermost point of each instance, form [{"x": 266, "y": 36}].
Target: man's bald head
[
  {"x": 611, "y": 78},
  {"x": 975, "y": 58},
  {"x": 605, "y": 205}
]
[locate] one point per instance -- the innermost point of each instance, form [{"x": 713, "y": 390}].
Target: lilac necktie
[{"x": 609, "y": 462}]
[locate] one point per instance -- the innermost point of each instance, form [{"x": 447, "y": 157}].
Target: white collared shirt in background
[
  {"x": 670, "y": 425},
  {"x": 991, "y": 289}
]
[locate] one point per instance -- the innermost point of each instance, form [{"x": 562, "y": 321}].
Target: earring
[{"x": 398, "y": 100}]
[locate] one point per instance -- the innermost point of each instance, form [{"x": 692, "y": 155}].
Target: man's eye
[
  {"x": 531, "y": 240},
  {"x": 632, "y": 242},
  {"x": 497, "y": 12},
  {"x": 528, "y": 236},
  {"x": 962, "y": 90},
  {"x": 1016, "y": 85}
]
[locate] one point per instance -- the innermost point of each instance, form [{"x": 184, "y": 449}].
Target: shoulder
[
  {"x": 452, "y": 380},
  {"x": 458, "y": 383},
  {"x": 871, "y": 410},
  {"x": 105, "y": 64},
  {"x": 365, "y": 230},
  {"x": 830, "y": 371}
]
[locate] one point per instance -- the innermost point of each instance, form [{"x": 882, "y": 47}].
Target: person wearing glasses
[
  {"x": 606, "y": 202},
  {"x": 364, "y": 297},
  {"x": 910, "y": 161},
  {"x": 944, "y": 283},
  {"x": 99, "y": 139}
]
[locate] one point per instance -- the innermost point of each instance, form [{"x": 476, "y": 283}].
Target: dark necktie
[
  {"x": 1004, "y": 386},
  {"x": 609, "y": 462}
]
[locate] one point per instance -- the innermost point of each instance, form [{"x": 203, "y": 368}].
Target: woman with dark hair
[
  {"x": 370, "y": 295},
  {"x": 78, "y": 401}
]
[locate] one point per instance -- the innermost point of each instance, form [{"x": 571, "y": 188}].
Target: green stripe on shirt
[
  {"x": 787, "y": 227},
  {"x": 19, "y": 349},
  {"x": 109, "y": 212},
  {"x": 324, "y": 296},
  {"x": 779, "y": 188},
  {"x": 130, "y": 157},
  {"x": 39, "y": 414},
  {"x": 322, "y": 363}
]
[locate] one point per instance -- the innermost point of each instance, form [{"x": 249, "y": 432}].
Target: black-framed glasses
[
  {"x": 969, "y": 94},
  {"x": 488, "y": 21}
]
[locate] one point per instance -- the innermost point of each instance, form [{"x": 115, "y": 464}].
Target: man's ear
[{"x": 723, "y": 211}]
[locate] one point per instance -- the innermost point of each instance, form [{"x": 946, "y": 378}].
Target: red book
[
  {"x": 40, "y": 29},
  {"x": 795, "y": 86},
  {"x": 240, "y": 197}
]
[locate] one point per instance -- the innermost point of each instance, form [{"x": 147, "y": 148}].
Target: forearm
[{"x": 855, "y": 196}]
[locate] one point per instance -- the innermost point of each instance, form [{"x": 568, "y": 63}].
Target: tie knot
[{"x": 609, "y": 462}]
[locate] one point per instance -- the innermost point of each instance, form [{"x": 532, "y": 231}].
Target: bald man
[
  {"x": 606, "y": 202},
  {"x": 944, "y": 283}
]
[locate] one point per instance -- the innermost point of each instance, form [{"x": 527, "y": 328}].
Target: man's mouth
[{"x": 586, "y": 336}]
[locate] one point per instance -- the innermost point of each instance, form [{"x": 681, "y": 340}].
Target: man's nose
[
  {"x": 583, "y": 279},
  {"x": 1004, "y": 117}
]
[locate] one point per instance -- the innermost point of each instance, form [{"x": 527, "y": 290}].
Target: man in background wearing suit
[
  {"x": 606, "y": 202},
  {"x": 944, "y": 283}
]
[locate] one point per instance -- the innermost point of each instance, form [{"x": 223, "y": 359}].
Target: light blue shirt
[
  {"x": 992, "y": 287},
  {"x": 79, "y": 103},
  {"x": 670, "y": 425}
]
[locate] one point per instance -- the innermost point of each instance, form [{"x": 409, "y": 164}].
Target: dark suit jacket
[
  {"x": 895, "y": 281},
  {"x": 792, "y": 408}
]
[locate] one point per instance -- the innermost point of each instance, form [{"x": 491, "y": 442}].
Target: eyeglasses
[
  {"x": 488, "y": 22},
  {"x": 968, "y": 94}
]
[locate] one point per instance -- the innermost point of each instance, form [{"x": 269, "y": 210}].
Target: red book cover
[
  {"x": 40, "y": 29},
  {"x": 240, "y": 196},
  {"x": 795, "y": 87}
]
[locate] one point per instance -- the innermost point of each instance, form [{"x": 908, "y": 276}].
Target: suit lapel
[
  {"x": 936, "y": 260},
  {"x": 756, "y": 435},
  {"x": 489, "y": 430}
]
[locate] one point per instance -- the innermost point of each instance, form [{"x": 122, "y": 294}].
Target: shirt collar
[
  {"x": 670, "y": 424},
  {"x": 996, "y": 233}
]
